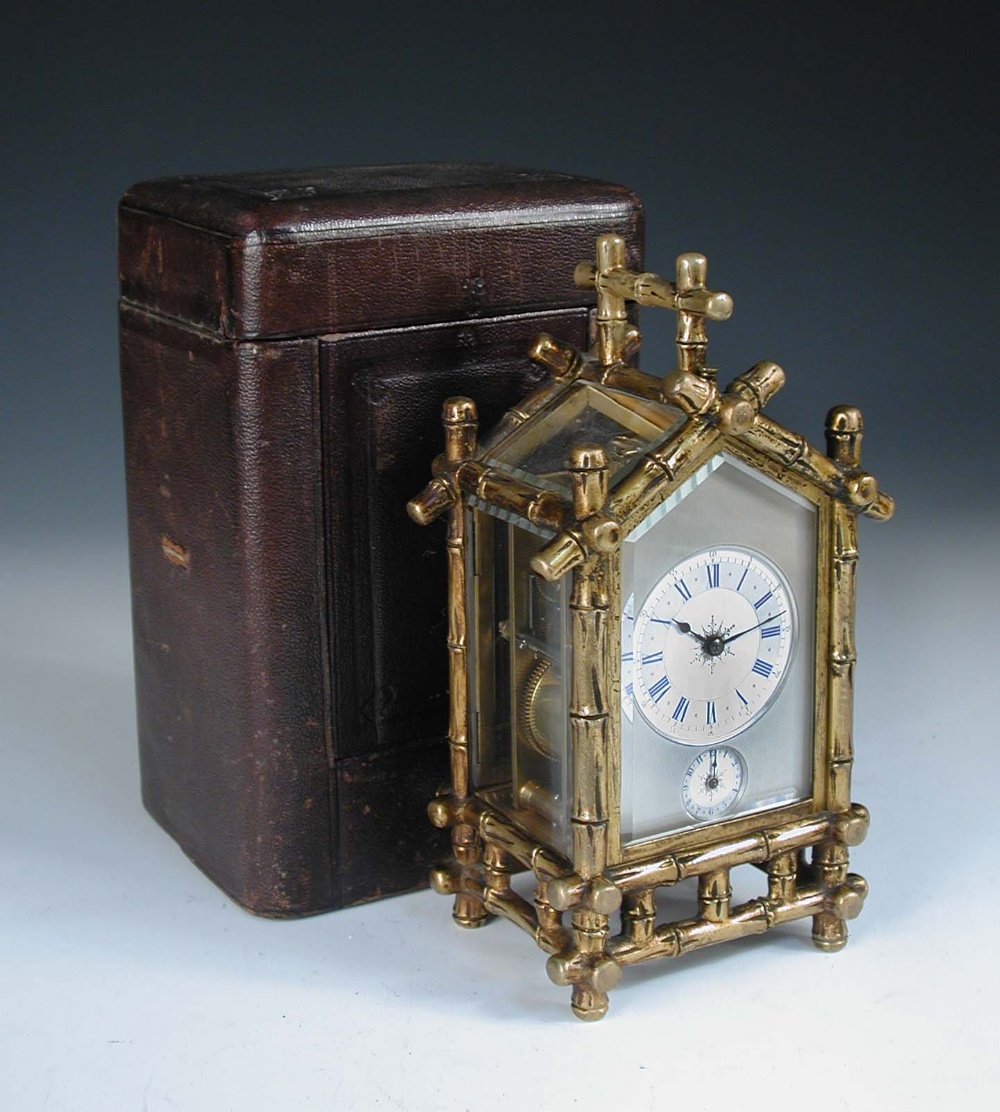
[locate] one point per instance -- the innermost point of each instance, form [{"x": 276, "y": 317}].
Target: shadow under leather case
[{"x": 287, "y": 340}]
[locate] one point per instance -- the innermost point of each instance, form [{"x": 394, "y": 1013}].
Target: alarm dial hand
[{"x": 757, "y": 626}]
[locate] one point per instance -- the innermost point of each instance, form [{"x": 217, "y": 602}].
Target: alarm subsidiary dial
[{"x": 713, "y": 783}]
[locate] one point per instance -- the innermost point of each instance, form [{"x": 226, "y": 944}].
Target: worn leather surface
[
  {"x": 289, "y": 618},
  {"x": 382, "y": 395},
  {"x": 386, "y": 845},
  {"x": 224, "y": 500},
  {"x": 271, "y": 255}
]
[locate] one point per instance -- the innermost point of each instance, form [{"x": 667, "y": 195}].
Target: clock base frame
[{"x": 585, "y": 956}]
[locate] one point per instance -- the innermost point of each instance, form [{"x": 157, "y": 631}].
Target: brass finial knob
[
  {"x": 844, "y": 430},
  {"x": 460, "y": 421},
  {"x": 612, "y": 318}
]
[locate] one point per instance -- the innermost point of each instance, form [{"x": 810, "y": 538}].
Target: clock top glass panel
[
  {"x": 718, "y": 653},
  {"x": 624, "y": 425}
]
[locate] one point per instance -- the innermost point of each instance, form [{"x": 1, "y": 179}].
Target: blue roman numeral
[
  {"x": 742, "y": 577},
  {"x": 760, "y": 602},
  {"x": 659, "y": 689},
  {"x": 681, "y": 709},
  {"x": 682, "y": 590},
  {"x": 740, "y": 697},
  {"x": 770, "y": 631},
  {"x": 713, "y": 575},
  {"x": 710, "y": 713},
  {"x": 762, "y": 668},
  {"x": 626, "y": 657},
  {"x": 628, "y": 690},
  {"x": 653, "y": 658}
]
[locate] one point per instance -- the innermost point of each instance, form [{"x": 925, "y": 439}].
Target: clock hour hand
[
  {"x": 685, "y": 628},
  {"x": 752, "y": 628}
]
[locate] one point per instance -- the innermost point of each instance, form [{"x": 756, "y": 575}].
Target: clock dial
[
  {"x": 713, "y": 782},
  {"x": 628, "y": 631},
  {"x": 713, "y": 643}
]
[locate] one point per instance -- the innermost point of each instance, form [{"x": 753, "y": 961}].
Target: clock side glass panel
[
  {"x": 518, "y": 665},
  {"x": 488, "y": 608},
  {"x": 538, "y": 654},
  {"x": 718, "y": 643},
  {"x": 519, "y": 652}
]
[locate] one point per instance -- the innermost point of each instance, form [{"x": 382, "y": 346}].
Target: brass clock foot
[
  {"x": 829, "y": 933},
  {"x": 469, "y": 912},
  {"x": 830, "y": 945},
  {"x": 588, "y": 1004}
]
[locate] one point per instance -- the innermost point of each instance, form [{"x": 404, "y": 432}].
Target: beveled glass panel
[
  {"x": 625, "y": 426},
  {"x": 488, "y": 603},
  {"x": 539, "y": 667},
  {"x": 718, "y": 652}
]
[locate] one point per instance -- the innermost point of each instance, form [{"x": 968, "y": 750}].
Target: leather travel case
[{"x": 286, "y": 342}]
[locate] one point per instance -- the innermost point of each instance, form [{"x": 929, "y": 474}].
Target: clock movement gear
[{"x": 541, "y": 680}]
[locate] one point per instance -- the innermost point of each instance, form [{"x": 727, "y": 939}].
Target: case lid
[{"x": 344, "y": 249}]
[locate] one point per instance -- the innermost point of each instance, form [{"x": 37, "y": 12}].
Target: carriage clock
[{"x": 651, "y": 639}]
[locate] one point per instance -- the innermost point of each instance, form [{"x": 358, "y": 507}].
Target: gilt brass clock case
[{"x": 566, "y": 524}]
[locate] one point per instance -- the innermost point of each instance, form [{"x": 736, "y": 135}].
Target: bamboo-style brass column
[
  {"x": 497, "y": 867},
  {"x": 639, "y": 916},
  {"x": 612, "y": 316},
  {"x": 591, "y": 897},
  {"x": 830, "y": 858},
  {"x": 714, "y": 895},
  {"x": 460, "y": 423},
  {"x": 692, "y": 336},
  {"x": 549, "y": 919},
  {"x": 782, "y": 876}
]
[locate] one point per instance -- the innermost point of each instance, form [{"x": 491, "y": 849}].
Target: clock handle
[{"x": 688, "y": 296}]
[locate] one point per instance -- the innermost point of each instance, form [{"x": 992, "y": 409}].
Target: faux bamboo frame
[{"x": 599, "y": 876}]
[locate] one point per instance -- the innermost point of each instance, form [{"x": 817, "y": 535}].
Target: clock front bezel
[{"x": 725, "y": 830}]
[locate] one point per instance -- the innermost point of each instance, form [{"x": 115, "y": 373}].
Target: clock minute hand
[{"x": 752, "y": 628}]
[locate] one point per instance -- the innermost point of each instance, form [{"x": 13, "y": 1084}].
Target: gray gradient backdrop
[{"x": 838, "y": 165}]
